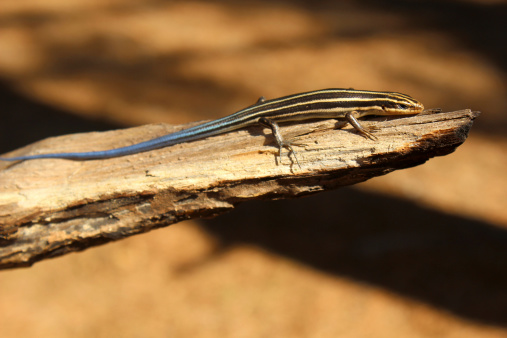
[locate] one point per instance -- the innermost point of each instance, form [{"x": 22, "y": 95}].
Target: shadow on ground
[
  {"x": 453, "y": 263},
  {"x": 24, "y": 120}
]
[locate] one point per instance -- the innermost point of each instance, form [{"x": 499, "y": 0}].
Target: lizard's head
[{"x": 401, "y": 104}]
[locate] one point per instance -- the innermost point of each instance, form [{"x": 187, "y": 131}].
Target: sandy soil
[{"x": 418, "y": 253}]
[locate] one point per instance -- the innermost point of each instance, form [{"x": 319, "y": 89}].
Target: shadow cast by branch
[{"x": 451, "y": 262}]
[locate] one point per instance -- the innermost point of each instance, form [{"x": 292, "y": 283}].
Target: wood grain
[{"x": 51, "y": 207}]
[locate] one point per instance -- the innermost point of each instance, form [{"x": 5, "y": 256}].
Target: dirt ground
[{"x": 420, "y": 252}]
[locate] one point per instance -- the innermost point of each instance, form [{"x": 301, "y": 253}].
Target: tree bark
[{"x": 51, "y": 207}]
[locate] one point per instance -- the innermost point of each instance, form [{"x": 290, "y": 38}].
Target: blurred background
[{"x": 420, "y": 252}]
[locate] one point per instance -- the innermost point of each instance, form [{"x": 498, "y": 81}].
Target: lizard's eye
[{"x": 402, "y": 106}]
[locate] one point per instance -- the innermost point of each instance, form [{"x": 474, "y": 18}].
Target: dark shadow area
[
  {"x": 24, "y": 120},
  {"x": 453, "y": 263},
  {"x": 479, "y": 26}
]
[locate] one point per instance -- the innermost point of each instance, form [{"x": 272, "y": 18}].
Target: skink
[{"x": 349, "y": 104}]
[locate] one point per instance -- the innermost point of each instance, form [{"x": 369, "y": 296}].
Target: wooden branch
[{"x": 51, "y": 207}]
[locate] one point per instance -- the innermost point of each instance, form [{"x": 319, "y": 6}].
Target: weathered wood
[{"x": 51, "y": 207}]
